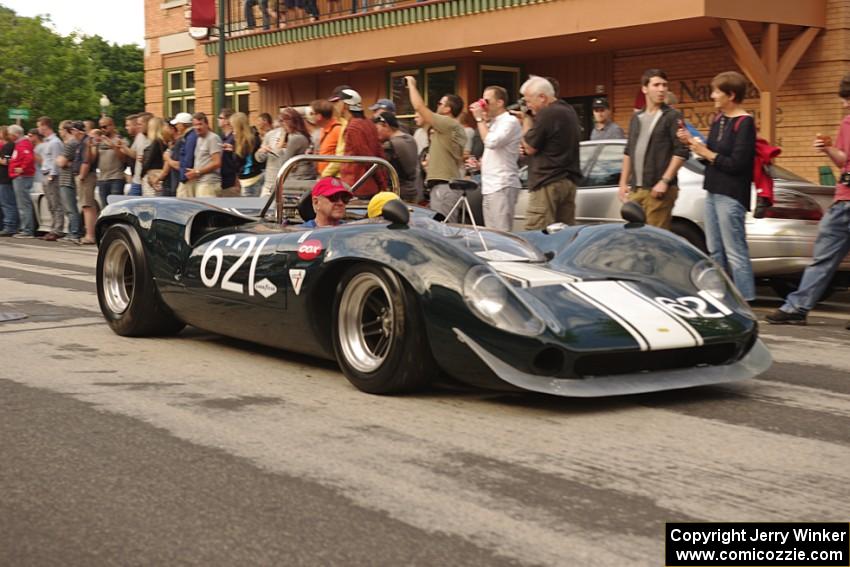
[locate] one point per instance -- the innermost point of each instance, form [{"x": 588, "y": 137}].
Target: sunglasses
[{"x": 339, "y": 197}]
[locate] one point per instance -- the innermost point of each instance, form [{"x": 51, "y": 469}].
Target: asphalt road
[{"x": 204, "y": 450}]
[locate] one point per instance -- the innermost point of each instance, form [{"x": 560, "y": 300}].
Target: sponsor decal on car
[
  {"x": 297, "y": 278},
  {"x": 310, "y": 250},
  {"x": 265, "y": 288}
]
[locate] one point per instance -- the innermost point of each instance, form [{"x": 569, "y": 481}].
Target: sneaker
[
  {"x": 23, "y": 235},
  {"x": 86, "y": 241},
  {"x": 6, "y": 233},
  {"x": 780, "y": 317},
  {"x": 51, "y": 237},
  {"x": 68, "y": 239}
]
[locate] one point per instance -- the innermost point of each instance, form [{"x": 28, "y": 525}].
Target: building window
[
  {"x": 506, "y": 77},
  {"x": 439, "y": 81},
  {"x": 236, "y": 96},
  {"x": 179, "y": 91},
  {"x": 398, "y": 93}
]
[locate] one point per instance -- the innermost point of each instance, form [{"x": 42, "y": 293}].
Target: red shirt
[
  {"x": 842, "y": 142},
  {"x": 23, "y": 158},
  {"x": 361, "y": 139}
]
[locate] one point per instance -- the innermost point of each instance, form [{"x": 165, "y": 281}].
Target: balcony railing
[
  {"x": 275, "y": 22},
  {"x": 245, "y": 16}
]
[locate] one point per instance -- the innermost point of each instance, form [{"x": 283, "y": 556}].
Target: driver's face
[{"x": 331, "y": 208}]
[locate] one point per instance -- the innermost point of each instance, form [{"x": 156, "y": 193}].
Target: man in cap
[
  {"x": 383, "y": 104},
  {"x": 180, "y": 156},
  {"x": 83, "y": 168},
  {"x": 401, "y": 152},
  {"x": 359, "y": 138},
  {"x": 330, "y": 197},
  {"x": 603, "y": 127}
]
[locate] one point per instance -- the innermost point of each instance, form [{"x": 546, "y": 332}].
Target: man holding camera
[
  {"x": 833, "y": 241},
  {"x": 550, "y": 140},
  {"x": 501, "y": 134},
  {"x": 110, "y": 159},
  {"x": 445, "y": 157}
]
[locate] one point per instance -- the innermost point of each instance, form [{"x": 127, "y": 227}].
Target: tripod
[{"x": 464, "y": 185}]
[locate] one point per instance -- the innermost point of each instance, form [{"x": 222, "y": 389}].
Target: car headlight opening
[
  {"x": 708, "y": 278},
  {"x": 493, "y": 301}
]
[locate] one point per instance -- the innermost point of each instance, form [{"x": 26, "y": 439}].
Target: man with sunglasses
[
  {"x": 445, "y": 156},
  {"x": 330, "y": 197}
]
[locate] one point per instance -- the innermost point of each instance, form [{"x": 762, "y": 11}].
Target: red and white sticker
[{"x": 310, "y": 250}]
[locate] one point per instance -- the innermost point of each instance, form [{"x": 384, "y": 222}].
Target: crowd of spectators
[{"x": 80, "y": 164}]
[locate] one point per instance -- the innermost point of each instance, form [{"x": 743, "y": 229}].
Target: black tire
[
  {"x": 378, "y": 334},
  {"x": 126, "y": 291},
  {"x": 690, "y": 233}
]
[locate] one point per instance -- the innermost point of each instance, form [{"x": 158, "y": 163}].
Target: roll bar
[{"x": 277, "y": 194}]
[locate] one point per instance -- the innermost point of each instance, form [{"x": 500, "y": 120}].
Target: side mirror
[
  {"x": 396, "y": 212},
  {"x": 633, "y": 213}
]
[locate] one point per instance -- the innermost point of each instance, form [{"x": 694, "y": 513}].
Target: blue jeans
[
  {"x": 68, "y": 194},
  {"x": 135, "y": 189},
  {"x": 726, "y": 237},
  {"x": 253, "y": 190},
  {"x": 23, "y": 186},
  {"x": 249, "y": 12},
  {"x": 9, "y": 205},
  {"x": 831, "y": 247},
  {"x": 110, "y": 187}
]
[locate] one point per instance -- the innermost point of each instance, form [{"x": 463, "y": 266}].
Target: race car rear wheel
[
  {"x": 378, "y": 333},
  {"x": 125, "y": 288}
]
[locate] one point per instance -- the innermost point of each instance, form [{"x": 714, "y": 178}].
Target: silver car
[{"x": 780, "y": 243}]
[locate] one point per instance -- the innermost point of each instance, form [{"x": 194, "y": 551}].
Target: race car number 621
[
  {"x": 691, "y": 306},
  {"x": 250, "y": 242}
]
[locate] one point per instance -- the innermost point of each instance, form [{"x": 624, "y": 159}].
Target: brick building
[{"x": 793, "y": 51}]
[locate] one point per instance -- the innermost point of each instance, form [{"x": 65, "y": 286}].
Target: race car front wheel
[
  {"x": 378, "y": 334},
  {"x": 125, "y": 288}
]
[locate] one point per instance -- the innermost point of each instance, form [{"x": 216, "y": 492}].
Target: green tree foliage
[
  {"x": 64, "y": 77},
  {"x": 119, "y": 73}
]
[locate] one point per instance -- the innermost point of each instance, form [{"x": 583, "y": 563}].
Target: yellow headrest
[{"x": 376, "y": 204}]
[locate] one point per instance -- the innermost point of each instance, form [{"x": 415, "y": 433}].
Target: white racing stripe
[
  {"x": 529, "y": 275},
  {"x": 652, "y": 327}
]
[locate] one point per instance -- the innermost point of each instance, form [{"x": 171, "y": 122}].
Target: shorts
[{"x": 85, "y": 190}]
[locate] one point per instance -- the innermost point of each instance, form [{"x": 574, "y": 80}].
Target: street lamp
[{"x": 104, "y": 104}]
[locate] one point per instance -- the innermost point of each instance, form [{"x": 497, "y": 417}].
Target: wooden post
[{"x": 766, "y": 70}]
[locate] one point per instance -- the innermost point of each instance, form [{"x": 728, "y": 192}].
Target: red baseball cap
[{"x": 327, "y": 186}]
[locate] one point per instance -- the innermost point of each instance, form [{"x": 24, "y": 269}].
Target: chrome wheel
[
  {"x": 118, "y": 276},
  {"x": 366, "y": 322}
]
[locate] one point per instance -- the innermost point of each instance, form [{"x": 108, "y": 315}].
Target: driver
[{"x": 330, "y": 197}]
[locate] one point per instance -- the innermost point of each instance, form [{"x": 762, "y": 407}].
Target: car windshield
[{"x": 500, "y": 246}]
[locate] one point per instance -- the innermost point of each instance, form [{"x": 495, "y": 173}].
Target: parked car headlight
[
  {"x": 707, "y": 277},
  {"x": 494, "y": 302}
]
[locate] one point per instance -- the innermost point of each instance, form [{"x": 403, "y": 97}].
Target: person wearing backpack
[
  {"x": 728, "y": 156},
  {"x": 833, "y": 241}
]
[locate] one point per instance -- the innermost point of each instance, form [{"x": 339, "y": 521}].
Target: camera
[
  {"x": 519, "y": 105},
  {"x": 845, "y": 178}
]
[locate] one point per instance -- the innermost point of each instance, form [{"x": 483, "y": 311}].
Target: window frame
[{"x": 181, "y": 95}]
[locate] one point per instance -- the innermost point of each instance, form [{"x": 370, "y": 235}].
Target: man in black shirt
[{"x": 550, "y": 140}]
